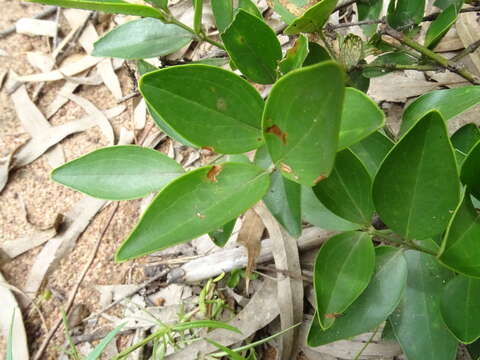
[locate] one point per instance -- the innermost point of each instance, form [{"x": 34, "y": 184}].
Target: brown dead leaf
[
  {"x": 36, "y": 27},
  {"x": 213, "y": 172},
  {"x": 109, "y": 78},
  {"x": 275, "y": 130},
  {"x": 250, "y": 236},
  {"x": 14, "y": 248},
  {"x": 140, "y": 115},
  {"x": 468, "y": 28}
]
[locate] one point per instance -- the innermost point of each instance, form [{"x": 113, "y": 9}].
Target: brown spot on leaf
[
  {"x": 285, "y": 168},
  {"x": 319, "y": 178},
  {"x": 208, "y": 148},
  {"x": 333, "y": 315},
  {"x": 275, "y": 130},
  {"x": 200, "y": 215},
  {"x": 221, "y": 104},
  {"x": 213, "y": 172}
]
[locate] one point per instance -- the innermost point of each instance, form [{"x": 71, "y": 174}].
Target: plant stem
[
  {"x": 468, "y": 50},
  {"x": 395, "y": 67},
  {"x": 389, "y": 237},
  {"x": 145, "y": 341},
  {"x": 447, "y": 64},
  {"x": 366, "y": 344}
]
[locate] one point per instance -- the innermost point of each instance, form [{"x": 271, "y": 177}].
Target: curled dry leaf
[
  {"x": 109, "y": 78},
  {"x": 249, "y": 236},
  {"x": 10, "y": 311},
  {"x": 14, "y": 248},
  {"x": 260, "y": 311},
  {"x": 290, "y": 289},
  {"x": 76, "y": 221},
  {"x": 96, "y": 114},
  {"x": 36, "y": 27}
]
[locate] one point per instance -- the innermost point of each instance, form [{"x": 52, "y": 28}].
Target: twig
[
  {"x": 468, "y": 50},
  {"x": 397, "y": 67},
  {"x": 366, "y": 344},
  {"x": 128, "y": 97},
  {"x": 433, "y": 16},
  {"x": 74, "y": 292},
  {"x": 447, "y": 64},
  {"x": 45, "y": 13}
]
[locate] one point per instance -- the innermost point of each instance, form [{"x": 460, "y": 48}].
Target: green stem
[
  {"x": 447, "y": 64},
  {"x": 366, "y": 344},
  {"x": 397, "y": 67},
  {"x": 389, "y": 237},
  {"x": 145, "y": 341}
]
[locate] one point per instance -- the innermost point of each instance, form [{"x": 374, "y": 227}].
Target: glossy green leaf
[
  {"x": 372, "y": 150},
  {"x": 301, "y": 121},
  {"x": 143, "y": 38},
  {"x": 208, "y": 324},
  {"x": 417, "y": 322},
  {"x": 378, "y": 67},
  {"x": 471, "y": 170},
  {"x": 343, "y": 268},
  {"x": 199, "y": 202},
  {"x": 254, "y": 47},
  {"x": 108, "y": 6},
  {"x": 449, "y": 102},
  {"x": 416, "y": 188},
  {"x": 465, "y": 138},
  {"x": 118, "y": 172},
  {"x": 283, "y": 199},
  {"x": 295, "y": 56},
  {"x": 405, "y": 13},
  {"x": 315, "y": 213},
  {"x": 460, "y": 308},
  {"x": 347, "y": 191},
  {"x": 360, "y": 118},
  {"x": 369, "y": 10},
  {"x": 97, "y": 351},
  {"x": 374, "y": 305},
  {"x": 144, "y": 67},
  {"x": 313, "y": 19},
  {"x": 223, "y": 13},
  {"x": 250, "y": 7},
  {"x": 161, "y": 4},
  {"x": 440, "y": 26},
  {"x": 316, "y": 54},
  {"x": 197, "y": 16},
  {"x": 209, "y": 106},
  {"x": 443, "y": 4},
  {"x": 356, "y": 80},
  {"x": 460, "y": 250},
  {"x": 221, "y": 236}
]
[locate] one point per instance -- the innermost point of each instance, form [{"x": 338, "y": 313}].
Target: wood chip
[
  {"x": 36, "y": 27},
  {"x": 260, "y": 311},
  {"x": 290, "y": 288},
  {"x": 10, "y": 311},
  {"x": 34, "y": 123},
  {"x": 99, "y": 117},
  {"x": 76, "y": 221}
]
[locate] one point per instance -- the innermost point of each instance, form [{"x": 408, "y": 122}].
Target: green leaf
[
  {"x": 209, "y": 324},
  {"x": 301, "y": 121},
  {"x": 470, "y": 170},
  {"x": 290, "y": 9},
  {"x": 460, "y": 308},
  {"x": 143, "y": 38},
  {"x": 369, "y": 10},
  {"x": 223, "y": 13},
  {"x": 372, "y": 150},
  {"x": 161, "y": 4},
  {"x": 465, "y": 138},
  {"x": 374, "y": 305},
  {"x": 417, "y": 321},
  {"x": 97, "y": 352},
  {"x": 313, "y": 19},
  {"x": 443, "y": 4},
  {"x": 197, "y": 17},
  {"x": 316, "y": 54},
  {"x": 250, "y": 7},
  {"x": 221, "y": 236},
  {"x": 405, "y": 13},
  {"x": 347, "y": 191},
  {"x": 378, "y": 67},
  {"x": 416, "y": 188},
  {"x": 254, "y": 47},
  {"x": 460, "y": 250},
  {"x": 199, "y": 202},
  {"x": 231, "y": 354},
  {"x": 314, "y": 212},
  {"x": 355, "y": 79},
  {"x": 474, "y": 350},
  {"x": 351, "y": 51},
  {"x": 118, "y": 172},
  {"x": 449, "y": 102},
  {"x": 360, "y": 118},
  {"x": 440, "y": 26},
  {"x": 283, "y": 199},
  {"x": 144, "y": 67},
  {"x": 108, "y": 6},
  {"x": 343, "y": 268},
  {"x": 9, "y": 353},
  {"x": 295, "y": 56},
  {"x": 209, "y": 106}
]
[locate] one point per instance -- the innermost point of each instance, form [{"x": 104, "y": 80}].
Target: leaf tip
[{"x": 213, "y": 172}]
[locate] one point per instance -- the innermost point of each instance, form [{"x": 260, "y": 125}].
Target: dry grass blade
[
  {"x": 98, "y": 116},
  {"x": 36, "y": 27},
  {"x": 10, "y": 307},
  {"x": 14, "y": 248},
  {"x": 260, "y": 311},
  {"x": 290, "y": 288},
  {"x": 110, "y": 79},
  {"x": 249, "y": 236}
]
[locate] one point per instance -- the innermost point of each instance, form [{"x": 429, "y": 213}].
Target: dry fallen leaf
[
  {"x": 290, "y": 288},
  {"x": 36, "y": 27},
  {"x": 14, "y": 248},
  {"x": 468, "y": 29},
  {"x": 249, "y": 236},
  {"x": 110, "y": 79},
  {"x": 140, "y": 115},
  {"x": 10, "y": 311}
]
